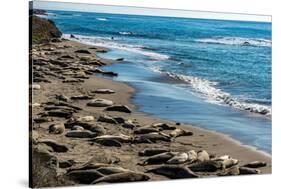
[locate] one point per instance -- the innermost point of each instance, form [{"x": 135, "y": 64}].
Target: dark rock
[
  {"x": 72, "y": 36},
  {"x": 119, "y": 59},
  {"x": 43, "y": 30}
]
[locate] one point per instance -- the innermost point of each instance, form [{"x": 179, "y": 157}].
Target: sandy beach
[{"x": 70, "y": 93}]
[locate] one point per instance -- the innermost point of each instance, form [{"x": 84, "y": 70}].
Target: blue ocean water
[{"x": 215, "y": 74}]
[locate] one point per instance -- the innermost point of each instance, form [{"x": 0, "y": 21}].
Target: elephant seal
[
  {"x": 163, "y": 126},
  {"x": 77, "y": 128},
  {"x": 255, "y": 164},
  {"x": 180, "y": 132},
  {"x": 159, "y": 158},
  {"x": 202, "y": 155},
  {"x": 248, "y": 171},
  {"x": 174, "y": 172},
  {"x": 107, "y": 119},
  {"x": 229, "y": 163},
  {"x": 57, "y": 147},
  {"x": 152, "y": 151},
  {"x": 119, "y": 108},
  {"x": 84, "y": 176},
  {"x": 112, "y": 170},
  {"x": 81, "y": 134},
  {"x": 206, "y": 166},
  {"x": 229, "y": 172},
  {"x": 145, "y": 130},
  {"x": 120, "y": 138},
  {"x": 57, "y": 128},
  {"x": 109, "y": 142},
  {"x": 151, "y": 138},
  {"x": 178, "y": 158},
  {"x": 122, "y": 177},
  {"x": 192, "y": 156},
  {"x": 86, "y": 119}
]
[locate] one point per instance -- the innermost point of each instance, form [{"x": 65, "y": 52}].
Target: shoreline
[
  {"x": 143, "y": 115},
  {"x": 146, "y": 115},
  {"x": 222, "y": 135},
  {"x": 80, "y": 150}
]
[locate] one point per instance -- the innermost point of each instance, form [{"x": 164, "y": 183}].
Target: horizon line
[{"x": 145, "y": 11}]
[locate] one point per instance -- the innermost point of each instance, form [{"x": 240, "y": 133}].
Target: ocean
[{"x": 213, "y": 74}]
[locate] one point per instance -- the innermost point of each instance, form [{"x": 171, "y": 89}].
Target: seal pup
[{"x": 174, "y": 171}]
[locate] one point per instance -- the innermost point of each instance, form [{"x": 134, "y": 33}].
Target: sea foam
[
  {"x": 208, "y": 90},
  {"x": 237, "y": 41},
  {"x": 109, "y": 43}
]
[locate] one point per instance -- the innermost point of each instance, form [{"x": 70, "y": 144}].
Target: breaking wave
[
  {"x": 237, "y": 41},
  {"x": 102, "y": 19},
  {"x": 207, "y": 89},
  {"x": 109, "y": 43},
  {"x": 126, "y": 33}
]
